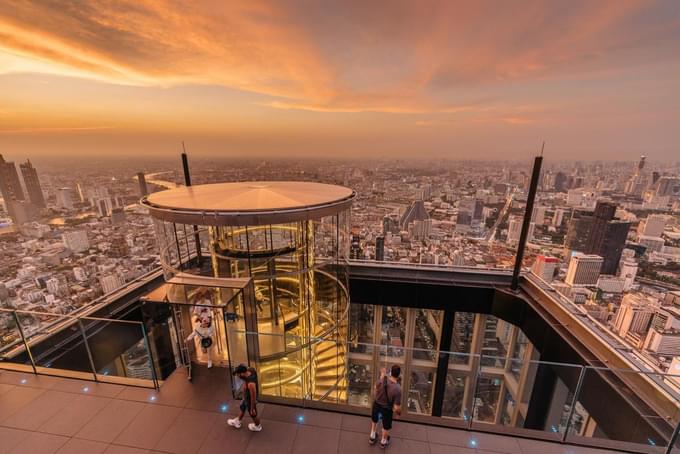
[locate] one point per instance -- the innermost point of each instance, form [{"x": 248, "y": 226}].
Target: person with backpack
[
  {"x": 251, "y": 390},
  {"x": 205, "y": 331},
  {"x": 386, "y": 403}
]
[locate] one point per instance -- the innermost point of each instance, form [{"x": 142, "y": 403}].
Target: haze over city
[
  {"x": 460, "y": 80},
  {"x": 292, "y": 227}
]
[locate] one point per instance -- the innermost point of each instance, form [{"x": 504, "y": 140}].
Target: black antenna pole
[
  {"x": 185, "y": 164},
  {"x": 187, "y": 182},
  {"x": 538, "y": 160}
]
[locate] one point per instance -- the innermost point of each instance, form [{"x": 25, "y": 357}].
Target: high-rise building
[
  {"x": 654, "y": 225},
  {"x": 558, "y": 217},
  {"x": 10, "y": 186},
  {"x": 23, "y": 212},
  {"x": 560, "y": 182},
  {"x": 415, "y": 212},
  {"x": 514, "y": 229},
  {"x": 668, "y": 186},
  {"x": 629, "y": 269},
  {"x": 544, "y": 267},
  {"x": 143, "y": 189},
  {"x": 355, "y": 251},
  {"x": 584, "y": 270},
  {"x": 380, "y": 248},
  {"x": 111, "y": 282},
  {"x": 635, "y": 315},
  {"x": 65, "y": 198},
  {"x": 598, "y": 233},
  {"x": 30, "y": 174},
  {"x": 579, "y": 227},
  {"x": 538, "y": 215},
  {"x": 76, "y": 241}
]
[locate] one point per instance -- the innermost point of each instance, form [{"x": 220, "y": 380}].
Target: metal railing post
[
  {"x": 154, "y": 377},
  {"x": 673, "y": 439},
  {"x": 577, "y": 391},
  {"x": 87, "y": 348},
  {"x": 23, "y": 338}
]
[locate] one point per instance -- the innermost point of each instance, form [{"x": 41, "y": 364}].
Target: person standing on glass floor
[{"x": 251, "y": 390}]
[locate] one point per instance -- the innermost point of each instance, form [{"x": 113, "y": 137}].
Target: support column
[
  {"x": 442, "y": 363},
  {"x": 527, "y": 219}
]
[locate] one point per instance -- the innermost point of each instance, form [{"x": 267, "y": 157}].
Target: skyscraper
[
  {"x": 598, "y": 233},
  {"x": 544, "y": 267},
  {"x": 10, "y": 186},
  {"x": 415, "y": 212},
  {"x": 32, "y": 182},
  {"x": 143, "y": 189},
  {"x": 584, "y": 270},
  {"x": 65, "y": 198}
]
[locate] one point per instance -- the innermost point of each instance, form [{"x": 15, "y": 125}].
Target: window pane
[
  {"x": 427, "y": 334},
  {"x": 461, "y": 338},
  {"x": 454, "y": 393},
  {"x": 360, "y": 327},
  {"x": 420, "y": 391},
  {"x": 360, "y": 384},
  {"x": 497, "y": 336},
  {"x": 486, "y": 400},
  {"x": 393, "y": 331}
]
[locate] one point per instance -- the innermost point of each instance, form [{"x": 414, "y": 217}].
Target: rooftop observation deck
[{"x": 42, "y": 414}]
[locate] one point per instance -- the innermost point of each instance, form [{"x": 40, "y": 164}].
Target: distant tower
[
  {"x": 10, "y": 186},
  {"x": 143, "y": 189},
  {"x": 32, "y": 182},
  {"x": 380, "y": 248},
  {"x": 65, "y": 198},
  {"x": 641, "y": 164}
]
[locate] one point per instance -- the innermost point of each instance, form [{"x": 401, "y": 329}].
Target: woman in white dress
[{"x": 205, "y": 332}]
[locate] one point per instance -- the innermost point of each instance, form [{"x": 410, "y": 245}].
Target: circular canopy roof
[{"x": 248, "y": 203}]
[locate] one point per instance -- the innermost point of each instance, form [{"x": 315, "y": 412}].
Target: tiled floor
[{"x": 40, "y": 414}]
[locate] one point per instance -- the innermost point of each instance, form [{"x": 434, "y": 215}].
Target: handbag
[{"x": 206, "y": 342}]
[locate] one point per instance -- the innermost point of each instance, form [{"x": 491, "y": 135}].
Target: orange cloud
[{"x": 400, "y": 57}]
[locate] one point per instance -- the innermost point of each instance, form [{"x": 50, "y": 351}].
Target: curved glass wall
[{"x": 300, "y": 296}]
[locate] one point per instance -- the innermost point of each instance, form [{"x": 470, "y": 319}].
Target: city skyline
[{"x": 455, "y": 80}]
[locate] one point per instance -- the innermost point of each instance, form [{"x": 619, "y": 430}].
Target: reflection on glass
[
  {"x": 393, "y": 331},
  {"x": 360, "y": 327},
  {"x": 454, "y": 394},
  {"x": 421, "y": 384},
  {"x": 486, "y": 399},
  {"x": 496, "y": 341},
  {"x": 518, "y": 352},
  {"x": 426, "y": 336},
  {"x": 461, "y": 338},
  {"x": 360, "y": 384},
  {"x": 508, "y": 408}
]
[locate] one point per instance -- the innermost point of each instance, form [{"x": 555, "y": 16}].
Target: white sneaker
[
  {"x": 254, "y": 428},
  {"x": 209, "y": 364},
  {"x": 234, "y": 422}
]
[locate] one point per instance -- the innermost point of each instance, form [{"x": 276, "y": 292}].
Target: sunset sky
[{"x": 468, "y": 79}]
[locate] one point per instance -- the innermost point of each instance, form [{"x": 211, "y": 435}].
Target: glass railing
[
  {"x": 524, "y": 397},
  {"x": 89, "y": 348}
]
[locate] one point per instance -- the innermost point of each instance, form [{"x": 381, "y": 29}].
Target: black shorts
[
  {"x": 379, "y": 413},
  {"x": 245, "y": 407}
]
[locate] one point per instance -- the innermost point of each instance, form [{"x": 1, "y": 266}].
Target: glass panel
[
  {"x": 13, "y": 353},
  {"x": 393, "y": 331},
  {"x": 65, "y": 354},
  {"x": 119, "y": 351},
  {"x": 461, "y": 338},
  {"x": 486, "y": 398},
  {"x": 496, "y": 341},
  {"x": 360, "y": 383},
  {"x": 518, "y": 355},
  {"x": 635, "y": 425},
  {"x": 421, "y": 385},
  {"x": 453, "y": 404},
  {"x": 361, "y": 319},
  {"x": 428, "y": 326}
]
